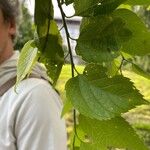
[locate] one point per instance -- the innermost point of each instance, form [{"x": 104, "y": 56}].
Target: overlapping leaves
[
  {"x": 103, "y": 37},
  {"x": 95, "y": 7},
  {"x": 43, "y": 11},
  {"x": 49, "y": 42},
  {"x": 86, "y": 8},
  {"x": 97, "y": 96},
  {"x": 53, "y": 56},
  {"x": 100, "y": 38}
]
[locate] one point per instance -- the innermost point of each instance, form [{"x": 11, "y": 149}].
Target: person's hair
[{"x": 9, "y": 10}]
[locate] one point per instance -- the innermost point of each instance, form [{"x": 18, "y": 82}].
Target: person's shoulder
[
  {"x": 33, "y": 90},
  {"x": 38, "y": 90},
  {"x": 33, "y": 84}
]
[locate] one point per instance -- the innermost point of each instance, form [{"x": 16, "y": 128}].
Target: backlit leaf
[
  {"x": 140, "y": 72},
  {"x": 49, "y": 39},
  {"x": 115, "y": 133},
  {"x": 101, "y": 37},
  {"x": 102, "y": 97},
  {"x": 95, "y": 7},
  {"x": 139, "y": 43},
  {"x": 27, "y": 59},
  {"x": 138, "y": 2}
]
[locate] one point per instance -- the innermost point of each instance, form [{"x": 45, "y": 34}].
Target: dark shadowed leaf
[
  {"x": 67, "y": 2},
  {"x": 95, "y": 7},
  {"x": 101, "y": 37},
  {"x": 49, "y": 42}
]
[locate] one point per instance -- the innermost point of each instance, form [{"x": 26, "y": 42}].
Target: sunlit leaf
[
  {"x": 139, "y": 42},
  {"x": 115, "y": 133},
  {"x": 102, "y": 97},
  {"x": 27, "y": 59}
]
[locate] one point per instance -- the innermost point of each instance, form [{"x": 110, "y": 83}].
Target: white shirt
[{"x": 30, "y": 119}]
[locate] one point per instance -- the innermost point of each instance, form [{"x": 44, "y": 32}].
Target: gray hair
[{"x": 10, "y": 11}]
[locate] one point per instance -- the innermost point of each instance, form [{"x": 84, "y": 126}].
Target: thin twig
[
  {"x": 73, "y": 39},
  {"x": 61, "y": 28},
  {"x": 69, "y": 16},
  {"x": 67, "y": 36},
  {"x": 72, "y": 62},
  {"x": 122, "y": 62},
  {"x": 67, "y": 55},
  {"x": 120, "y": 67}
]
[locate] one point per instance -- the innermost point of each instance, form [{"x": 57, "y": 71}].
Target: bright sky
[{"x": 68, "y": 9}]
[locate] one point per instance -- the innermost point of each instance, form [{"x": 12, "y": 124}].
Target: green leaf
[
  {"x": 87, "y": 146},
  {"x": 88, "y": 8},
  {"x": 81, "y": 137},
  {"x": 102, "y": 97},
  {"x": 49, "y": 39},
  {"x": 53, "y": 29},
  {"x": 113, "y": 67},
  {"x": 138, "y": 2},
  {"x": 101, "y": 37},
  {"x": 54, "y": 68},
  {"x": 43, "y": 11},
  {"x": 68, "y": 2},
  {"x": 94, "y": 71},
  {"x": 67, "y": 107},
  {"x": 50, "y": 45},
  {"x": 27, "y": 59},
  {"x": 140, "y": 71},
  {"x": 85, "y": 7},
  {"x": 116, "y": 133},
  {"x": 107, "y": 6},
  {"x": 139, "y": 43}
]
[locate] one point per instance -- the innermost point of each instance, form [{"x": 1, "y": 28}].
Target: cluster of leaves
[{"x": 109, "y": 35}]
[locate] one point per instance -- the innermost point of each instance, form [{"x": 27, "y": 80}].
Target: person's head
[
  {"x": 9, "y": 12},
  {"x": 8, "y": 16}
]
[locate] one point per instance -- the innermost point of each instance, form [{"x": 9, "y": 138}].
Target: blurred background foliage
[
  {"x": 25, "y": 27},
  {"x": 139, "y": 117},
  {"x": 144, "y": 13}
]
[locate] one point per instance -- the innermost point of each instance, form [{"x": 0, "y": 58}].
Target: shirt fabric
[{"x": 30, "y": 117}]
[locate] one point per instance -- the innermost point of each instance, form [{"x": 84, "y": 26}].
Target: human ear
[{"x": 12, "y": 28}]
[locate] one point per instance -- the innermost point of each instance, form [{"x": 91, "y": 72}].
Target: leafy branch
[{"x": 99, "y": 98}]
